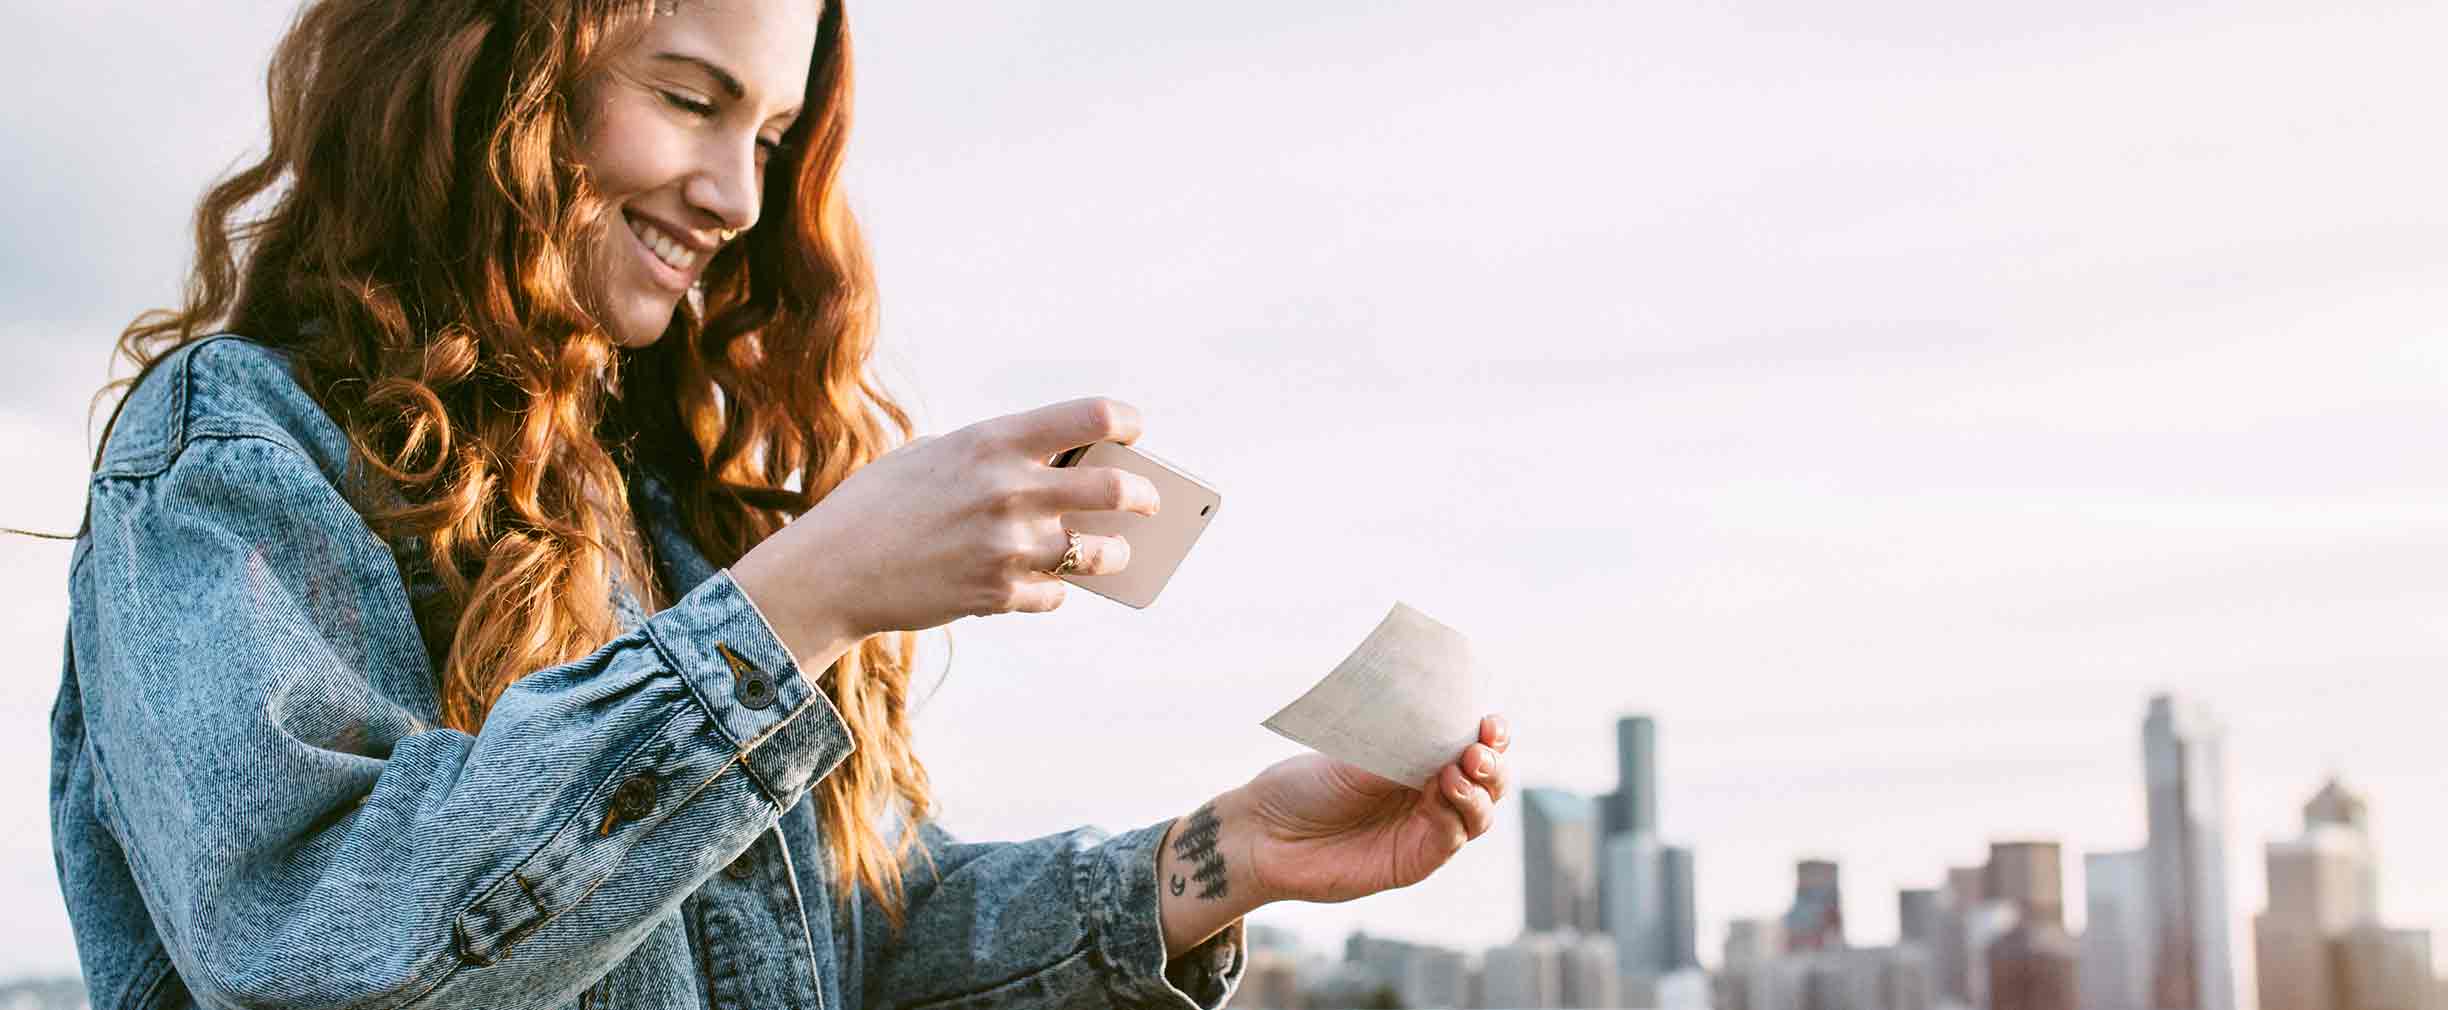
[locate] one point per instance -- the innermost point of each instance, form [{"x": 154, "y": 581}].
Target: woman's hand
[
  {"x": 1315, "y": 829},
  {"x": 945, "y": 527},
  {"x": 1323, "y": 830}
]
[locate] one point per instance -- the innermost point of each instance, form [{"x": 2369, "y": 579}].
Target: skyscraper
[
  {"x": 2319, "y": 945},
  {"x": 2116, "y": 932},
  {"x": 1645, "y": 889},
  {"x": 1559, "y": 861},
  {"x": 1632, "y": 808},
  {"x": 2185, "y": 774},
  {"x": 1959, "y": 900},
  {"x": 1816, "y": 921},
  {"x": 1917, "y": 919},
  {"x": 2033, "y": 966},
  {"x": 1636, "y": 909},
  {"x": 1682, "y": 931}
]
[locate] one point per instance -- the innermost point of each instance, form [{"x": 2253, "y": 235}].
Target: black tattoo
[
  {"x": 1197, "y": 844},
  {"x": 1177, "y": 885}
]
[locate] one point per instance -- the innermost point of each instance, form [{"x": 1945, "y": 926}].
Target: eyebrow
[{"x": 729, "y": 84}]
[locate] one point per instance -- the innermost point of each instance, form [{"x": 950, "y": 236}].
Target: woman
[{"x": 556, "y": 319}]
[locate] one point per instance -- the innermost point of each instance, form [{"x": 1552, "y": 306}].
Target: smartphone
[{"x": 1158, "y": 543}]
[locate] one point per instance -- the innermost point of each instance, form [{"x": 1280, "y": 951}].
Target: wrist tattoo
[{"x": 1196, "y": 845}]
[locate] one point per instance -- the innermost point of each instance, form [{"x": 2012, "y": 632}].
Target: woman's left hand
[{"x": 1325, "y": 830}]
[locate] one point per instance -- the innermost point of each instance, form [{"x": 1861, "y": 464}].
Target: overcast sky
[{"x": 1888, "y": 396}]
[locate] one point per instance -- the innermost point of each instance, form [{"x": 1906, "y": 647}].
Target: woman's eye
[{"x": 690, "y": 105}]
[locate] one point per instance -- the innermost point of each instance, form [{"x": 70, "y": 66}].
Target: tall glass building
[{"x": 2184, "y": 768}]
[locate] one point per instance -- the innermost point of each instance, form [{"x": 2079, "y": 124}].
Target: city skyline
[
  {"x": 2332, "y": 879},
  {"x": 1990, "y": 937}
]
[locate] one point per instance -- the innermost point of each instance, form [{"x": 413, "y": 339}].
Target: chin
[{"x": 643, "y": 325}]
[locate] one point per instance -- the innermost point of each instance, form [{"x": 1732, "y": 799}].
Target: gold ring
[
  {"x": 1071, "y": 557},
  {"x": 726, "y": 234}
]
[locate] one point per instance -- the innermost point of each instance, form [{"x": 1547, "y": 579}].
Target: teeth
[{"x": 673, "y": 254}]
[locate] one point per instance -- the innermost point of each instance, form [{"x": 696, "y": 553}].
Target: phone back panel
[{"x": 1158, "y": 543}]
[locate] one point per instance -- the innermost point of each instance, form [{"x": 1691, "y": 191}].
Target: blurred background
[{"x": 1884, "y": 402}]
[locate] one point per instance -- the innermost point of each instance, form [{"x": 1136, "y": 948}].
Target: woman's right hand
[{"x": 948, "y": 526}]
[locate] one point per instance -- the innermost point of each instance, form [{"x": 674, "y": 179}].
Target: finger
[
  {"x": 1098, "y": 555},
  {"x": 1495, "y": 732},
  {"x": 1051, "y": 429},
  {"x": 1098, "y": 489},
  {"x": 1037, "y": 596},
  {"x": 1486, "y": 768},
  {"x": 1472, "y": 806},
  {"x": 1437, "y": 804}
]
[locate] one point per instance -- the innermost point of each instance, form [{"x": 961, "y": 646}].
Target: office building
[
  {"x": 1917, "y": 918},
  {"x": 1816, "y": 921},
  {"x": 1559, "y": 861},
  {"x": 2115, "y": 969},
  {"x": 2185, "y": 777},
  {"x": 1527, "y": 974}
]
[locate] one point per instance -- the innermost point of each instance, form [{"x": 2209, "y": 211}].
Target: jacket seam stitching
[
  {"x": 215, "y": 435},
  {"x": 160, "y": 958},
  {"x": 574, "y": 817},
  {"x": 1082, "y": 949},
  {"x": 179, "y": 417}
]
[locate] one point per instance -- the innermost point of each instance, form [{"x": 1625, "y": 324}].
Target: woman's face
[{"x": 677, "y": 134}]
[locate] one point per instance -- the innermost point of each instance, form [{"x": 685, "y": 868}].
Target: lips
[{"x": 670, "y": 257}]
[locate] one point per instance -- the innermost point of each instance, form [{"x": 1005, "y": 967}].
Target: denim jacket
[{"x": 253, "y": 803}]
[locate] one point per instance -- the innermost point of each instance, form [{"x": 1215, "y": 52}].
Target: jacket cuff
[
  {"x": 1119, "y": 901},
  {"x": 787, "y": 733}
]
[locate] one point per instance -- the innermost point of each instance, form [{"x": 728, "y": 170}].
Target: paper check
[{"x": 1402, "y": 705}]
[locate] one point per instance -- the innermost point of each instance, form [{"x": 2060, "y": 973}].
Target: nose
[{"x": 728, "y": 186}]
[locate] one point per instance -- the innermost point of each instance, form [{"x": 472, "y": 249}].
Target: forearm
[{"x": 1204, "y": 877}]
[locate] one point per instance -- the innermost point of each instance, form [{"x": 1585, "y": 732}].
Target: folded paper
[{"x": 1402, "y": 705}]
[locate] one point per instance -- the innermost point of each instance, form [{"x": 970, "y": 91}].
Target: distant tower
[
  {"x": 2116, "y": 932},
  {"x": 1917, "y": 918},
  {"x": 1632, "y": 808},
  {"x": 2033, "y": 966},
  {"x": 1559, "y": 861},
  {"x": 1645, "y": 889},
  {"x": 1682, "y": 929},
  {"x": 2323, "y": 891},
  {"x": 2185, "y": 771},
  {"x": 1816, "y": 921}
]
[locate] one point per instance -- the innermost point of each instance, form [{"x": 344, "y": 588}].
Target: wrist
[
  {"x": 1205, "y": 876},
  {"x": 813, "y": 633}
]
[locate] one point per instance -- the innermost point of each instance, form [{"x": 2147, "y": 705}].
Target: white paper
[{"x": 1402, "y": 705}]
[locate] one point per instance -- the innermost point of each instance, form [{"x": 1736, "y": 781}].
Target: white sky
[{"x": 1888, "y": 396}]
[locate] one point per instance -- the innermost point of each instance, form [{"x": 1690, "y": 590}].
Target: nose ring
[{"x": 726, "y": 234}]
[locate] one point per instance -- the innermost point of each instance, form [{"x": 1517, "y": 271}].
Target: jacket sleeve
[
  {"x": 252, "y": 676},
  {"x": 1068, "y": 920}
]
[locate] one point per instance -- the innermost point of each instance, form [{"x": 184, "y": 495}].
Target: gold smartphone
[{"x": 1158, "y": 543}]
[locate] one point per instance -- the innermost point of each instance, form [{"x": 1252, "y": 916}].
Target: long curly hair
[{"x": 421, "y": 254}]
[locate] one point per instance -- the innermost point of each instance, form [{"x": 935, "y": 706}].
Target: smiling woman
[
  {"x": 498, "y": 584},
  {"x": 678, "y": 131}
]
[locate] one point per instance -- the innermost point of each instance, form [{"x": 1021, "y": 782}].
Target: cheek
[{"x": 624, "y": 152}]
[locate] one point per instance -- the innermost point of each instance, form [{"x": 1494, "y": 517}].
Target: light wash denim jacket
[{"x": 253, "y": 803}]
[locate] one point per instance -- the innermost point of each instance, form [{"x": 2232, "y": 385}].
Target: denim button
[
  {"x": 755, "y": 689},
  {"x": 635, "y": 798},
  {"x": 757, "y": 692},
  {"x": 740, "y": 868}
]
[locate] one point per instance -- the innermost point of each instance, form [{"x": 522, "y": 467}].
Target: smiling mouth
[{"x": 661, "y": 247}]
